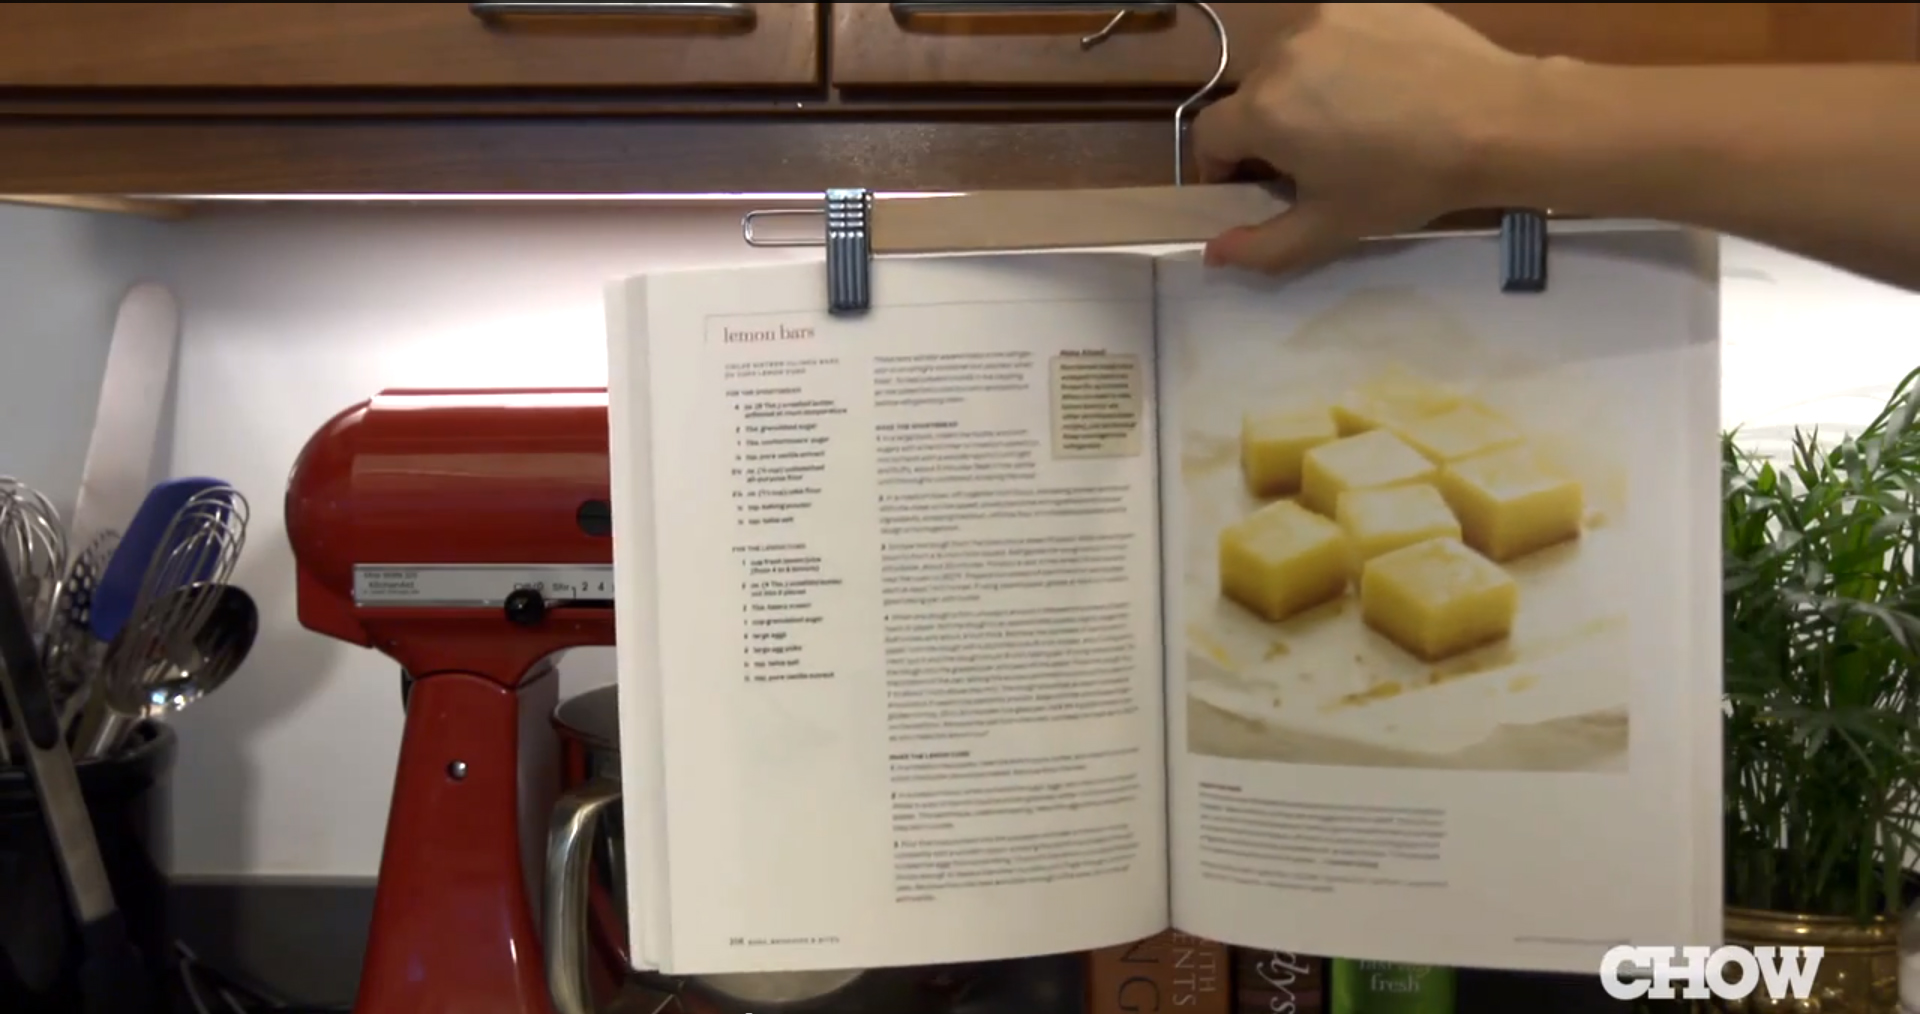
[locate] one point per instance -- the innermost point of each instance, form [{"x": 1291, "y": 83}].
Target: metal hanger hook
[{"x": 1179, "y": 112}]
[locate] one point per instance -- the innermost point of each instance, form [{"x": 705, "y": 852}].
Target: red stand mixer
[{"x": 465, "y": 534}]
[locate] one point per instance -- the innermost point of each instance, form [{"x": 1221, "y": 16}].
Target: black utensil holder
[{"x": 127, "y": 796}]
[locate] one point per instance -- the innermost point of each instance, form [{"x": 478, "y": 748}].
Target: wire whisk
[
  {"x": 35, "y": 541},
  {"x": 179, "y": 593},
  {"x": 197, "y": 554}
]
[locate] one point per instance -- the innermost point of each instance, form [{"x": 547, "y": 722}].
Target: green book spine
[{"x": 1382, "y": 987}]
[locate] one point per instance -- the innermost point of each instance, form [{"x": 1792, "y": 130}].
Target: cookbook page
[
  {"x": 1433, "y": 556},
  {"x": 906, "y": 656}
]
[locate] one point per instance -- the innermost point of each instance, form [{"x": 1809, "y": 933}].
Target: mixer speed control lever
[{"x": 526, "y": 607}]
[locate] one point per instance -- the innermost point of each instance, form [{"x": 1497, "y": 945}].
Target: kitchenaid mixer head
[{"x": 464, "y": 535}]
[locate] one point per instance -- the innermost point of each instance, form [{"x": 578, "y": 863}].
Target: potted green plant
[{"x": 1822, "y": 667}]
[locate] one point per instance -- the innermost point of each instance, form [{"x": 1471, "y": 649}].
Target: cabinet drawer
[
  {"x": 406, "y": 45},
  {"x": 875, "y": 46}
]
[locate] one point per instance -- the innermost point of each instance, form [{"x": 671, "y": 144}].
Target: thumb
[{"x": 1305, "y": 236}]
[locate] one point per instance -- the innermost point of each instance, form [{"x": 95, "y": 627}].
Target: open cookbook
[{"x": 1064, "y": 598}]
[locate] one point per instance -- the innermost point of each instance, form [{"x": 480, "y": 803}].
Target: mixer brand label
[{"x": 476, "y": 585}]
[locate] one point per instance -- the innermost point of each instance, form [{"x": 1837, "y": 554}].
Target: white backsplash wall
[
  {"x": 61, "y": 277},
  {"x": 1804, "y": 345},
  {"x": 293, "y": 314}
]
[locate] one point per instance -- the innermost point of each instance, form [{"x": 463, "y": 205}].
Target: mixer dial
[{"x": 526, "y": 607}]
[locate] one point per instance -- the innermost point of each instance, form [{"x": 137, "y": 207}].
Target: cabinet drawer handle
[
  {"x": 906, "y": 9},
  {"x": 1119, "y": 12},
  {"x": 730, "y": 12}
]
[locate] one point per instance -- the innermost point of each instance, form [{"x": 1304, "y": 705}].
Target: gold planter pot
[{"x": 1859, "y": 974}]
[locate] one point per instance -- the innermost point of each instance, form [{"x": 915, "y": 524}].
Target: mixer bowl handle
[{"x": 569, "y": 862}]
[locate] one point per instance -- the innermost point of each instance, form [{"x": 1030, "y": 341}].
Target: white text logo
[{"x": 1705, "y": 973}]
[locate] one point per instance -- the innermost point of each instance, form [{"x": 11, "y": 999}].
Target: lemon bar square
[
  {"x": 1510, "y": 503},
  {"x": 1438, "y": 598},
  {"x": 1396, "y": 398},
  {"x": 1371, "y": 460},
  {"x": 1273, "y": 445},
  {"x": 1282, "y": 560},
  {"x": 1466, "y": 430},
  {"x": 1379, "y": 521}
]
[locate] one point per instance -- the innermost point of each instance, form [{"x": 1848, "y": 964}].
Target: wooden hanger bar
[
  {"x": 861, "y": 225},
  {"x": 1055, "y": 219}
]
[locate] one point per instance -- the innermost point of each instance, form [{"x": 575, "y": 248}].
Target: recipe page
[
  {"x": 908, "y": 652},
  {"x": 1436, "y": 672}
]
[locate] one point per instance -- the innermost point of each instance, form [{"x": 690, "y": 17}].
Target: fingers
[
  {"x": 1230, "y": 132},
  {"x": 1221, "y": 139},
  {"x": 1306, "y": 236}
]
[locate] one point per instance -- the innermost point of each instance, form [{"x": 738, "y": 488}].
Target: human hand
[{"x": 1378, "y": 112}]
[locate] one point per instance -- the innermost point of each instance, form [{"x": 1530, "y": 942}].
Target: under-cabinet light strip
[{"x": 755, "y": 199}]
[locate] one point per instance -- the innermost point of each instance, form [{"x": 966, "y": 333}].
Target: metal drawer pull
[
  {"x": 1119, "y": 12},
  {"x": 729, "y": 12},
  {"x": 901, "y": 10},
  {"x": 907, "y": 8}
]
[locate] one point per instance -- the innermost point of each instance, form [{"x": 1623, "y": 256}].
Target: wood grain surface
[
  {"x": 389, "y": 45},
  {"x": 1052, "y": 219},
  {"x": 872, "y": 48}
]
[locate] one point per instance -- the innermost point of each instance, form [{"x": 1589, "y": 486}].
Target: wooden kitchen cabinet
[
  {"x": 876, "y": 46},
  {"x": 279, "y": 46},
  {"x": 427, "y": 98}
]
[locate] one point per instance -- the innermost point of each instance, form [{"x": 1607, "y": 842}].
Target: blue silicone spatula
[{"x": 118, "y": 592}]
